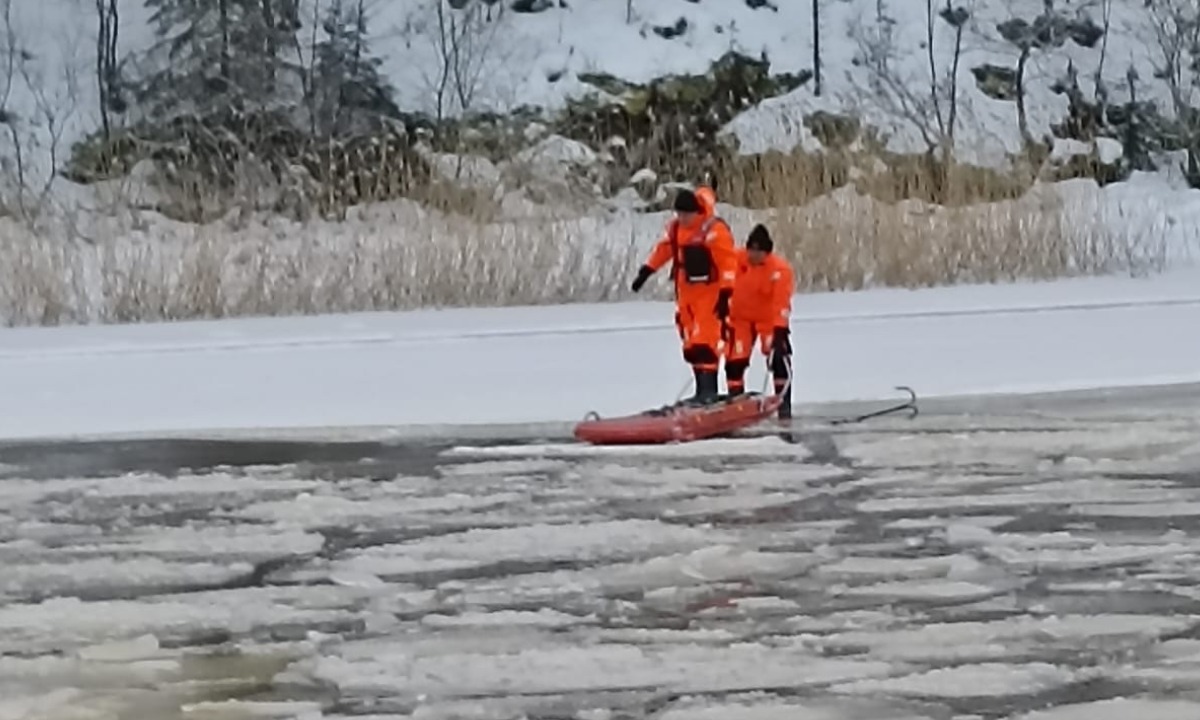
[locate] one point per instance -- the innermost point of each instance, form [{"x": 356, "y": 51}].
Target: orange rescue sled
[{"x": 682, "y": 422}]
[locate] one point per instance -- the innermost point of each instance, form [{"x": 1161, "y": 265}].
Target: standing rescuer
[
  {"x": 703, "y": 258},
  {"x": 761, "y": 311}
]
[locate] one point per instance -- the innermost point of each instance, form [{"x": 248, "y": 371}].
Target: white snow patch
[
  {"x": 741, "y": 503},
  {"x": 999, "y": 639},
  {"x": 742, "y": 666},
  {"x": 672, "y": 573},
  {"x": 1092, "y": 490},
  {"x": 925, "y": 567},
  {"x": 1109, "y": 150},
  {"x": 544, "y": 617},
  {"x": 608, "y": 540},
  {"x": 252, "y": 710},
  {"x": 643, "y": 481},
  {"x": 308, "y": 510},
  {"x": 984, "y": 680},
  {"x": 241, "y": 543},
  {"x": 933, "y": 590},
  {"x": 102, "y": 574},
  {"x": 961, "y": 524},
  {"x": 1120, "y": 709},
  {"x": 147, "y": 486},
  {"x": 699, "y": 448},
  {"x": 67, "y": 623},
  {"x": 1098, "y": 556},
  {"x": 1066, "y": 148},
  {"x": 1138, "y": 510},
  {"x": 776, "y": 709},
  {"x": 1018, "y": 449},
  {"x": 498, "y": 468},
  {"x": 472, "y": 171}
]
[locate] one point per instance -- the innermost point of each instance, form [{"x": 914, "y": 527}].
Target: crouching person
[{"x": 759, "y": 313}]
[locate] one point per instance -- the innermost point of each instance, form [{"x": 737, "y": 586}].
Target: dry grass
[
  {"x": 174, "y": 271},
  {"x": 137, "y": 267},
  {"x": 777, "y": 179},
  {"x": 847, "y": 241}
]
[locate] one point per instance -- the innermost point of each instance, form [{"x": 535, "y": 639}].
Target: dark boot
[
  {"x": 785, "y": 416},
  {"x": 785, "y": 407},
  {"x": 735, "y": 376},
  {"x": 706, "y": 386},
  {"x": 780, "y": 370}
]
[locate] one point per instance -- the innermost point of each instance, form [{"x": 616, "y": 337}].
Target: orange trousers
[
  {"x": 699, "y": 327},
  {"x": 742, "y": 336},
  {"x": 739, "y": 345}
]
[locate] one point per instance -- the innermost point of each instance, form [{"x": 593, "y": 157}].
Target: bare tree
[
  {"x": 1177, "y": 32},
  {"x": 1177, "y": 35},
  {"x": 932, "y": 111},
  {"x": 944, "y": 94},
  {"x": 469, "y": 65},
  {"x": 816, "y": 36},
  {"x": 957, "y": 16},
  {"x": 11, "y": 57},
  {"x": 467, "y": 42},
  {"x": 307, "y": 58},
  {"x": 107, "y": 82},
  {"x": 35, "y": 132},
  {"x": 1101, "y": 88}
]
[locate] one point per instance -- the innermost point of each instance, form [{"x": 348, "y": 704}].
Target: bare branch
[{"x": 892, "y": 94}]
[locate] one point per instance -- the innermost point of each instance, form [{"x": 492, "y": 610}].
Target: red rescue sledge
[{"x": 682, "y": 422}]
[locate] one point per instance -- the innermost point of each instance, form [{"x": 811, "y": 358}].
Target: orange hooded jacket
[
  {"x": 762, "y": 294},
  {"x": 705, "y": 249}
]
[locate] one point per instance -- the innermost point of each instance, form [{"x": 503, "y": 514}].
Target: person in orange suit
[
  {"x": 760, "y": 311},
  {"x": 703, "y": 256}
]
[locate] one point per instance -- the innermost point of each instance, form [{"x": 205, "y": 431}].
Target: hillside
[{"x": 468, "y": 111}]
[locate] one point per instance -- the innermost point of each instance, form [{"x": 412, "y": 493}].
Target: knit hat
[
  {"x": 760, "y": 239},
  {"x": 686, "y": 201}
]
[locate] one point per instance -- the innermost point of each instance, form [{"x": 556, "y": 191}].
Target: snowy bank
[{"x": 554, "y": 364}]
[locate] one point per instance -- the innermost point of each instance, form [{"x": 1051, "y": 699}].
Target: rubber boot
[
  {"x": 780, "y": 369},
  {"x": 735, "y": 377},
  {"x": 706, "y": 386},
  {"x": 785, "y": 407}
]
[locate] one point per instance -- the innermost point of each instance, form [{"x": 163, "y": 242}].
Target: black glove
[
  {"x": 781, "y": 341},
  {"x": 722, "y": 308},
  {"x": 644, "y": 273}
]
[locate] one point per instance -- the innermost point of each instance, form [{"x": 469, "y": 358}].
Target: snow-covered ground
[
  {"x": 554, "y": 364},
  {"x": 918, "y": 570},
  {"x": 537, "y": 58}
]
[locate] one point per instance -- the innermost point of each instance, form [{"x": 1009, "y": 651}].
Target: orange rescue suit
[
  {"x": 704, "y": 262},
  {"x": 762, "y": 302}
]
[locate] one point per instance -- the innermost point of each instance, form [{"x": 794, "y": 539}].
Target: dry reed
[{"x": 381, "y": 258}]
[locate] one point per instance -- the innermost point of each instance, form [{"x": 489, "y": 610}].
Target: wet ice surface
[{"x": 925, "y": 573}]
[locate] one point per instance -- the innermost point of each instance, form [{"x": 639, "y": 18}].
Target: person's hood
[{"x": 708, "y": 201}]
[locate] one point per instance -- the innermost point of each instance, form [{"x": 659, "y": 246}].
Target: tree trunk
[{"x": 816, "y": 21}]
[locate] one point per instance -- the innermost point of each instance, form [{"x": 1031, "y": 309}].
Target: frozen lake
[{"x": 1016, "y": 564}]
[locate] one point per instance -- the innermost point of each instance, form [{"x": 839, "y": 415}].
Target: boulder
[{"x": 996, "y": 81}]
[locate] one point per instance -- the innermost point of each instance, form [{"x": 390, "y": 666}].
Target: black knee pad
[
  {"x": 736, "y": 369},
  {"x": 700, "y": 354}
]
